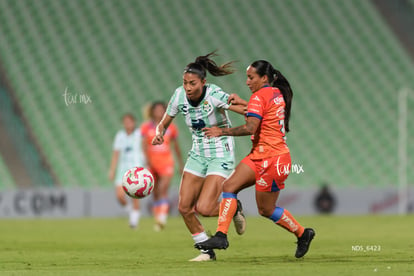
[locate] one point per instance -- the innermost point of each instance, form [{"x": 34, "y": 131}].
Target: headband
[{"x": 193, "y": 70}]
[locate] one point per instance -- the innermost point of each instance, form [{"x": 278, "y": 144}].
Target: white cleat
[
  {"x": 239, "y": 219},
  {"x": 158, "y": 227},
  {"x": 204, "y": 257}
]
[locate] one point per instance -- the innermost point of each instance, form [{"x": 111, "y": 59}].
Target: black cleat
[
  {"x": 218, "y": 241},
  {"x": 304, "y": 242}
]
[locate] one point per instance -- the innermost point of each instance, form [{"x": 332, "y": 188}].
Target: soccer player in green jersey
[{"x": 210, "y": 160}]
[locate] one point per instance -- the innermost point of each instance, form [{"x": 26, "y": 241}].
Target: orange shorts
[
  {"x": 162, "y": 166},
  {"x": 271, "y": 173}
]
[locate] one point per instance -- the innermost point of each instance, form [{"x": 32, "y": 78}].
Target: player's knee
[
  {"x": 265, "y": 211},
  {"x": 122, "y": 201},
  {"x": 228, "y": 187},
  {"x": 121, "y": 198},
  {"x": 185, "y": 210},
  {"x": 205, "y": 209}
]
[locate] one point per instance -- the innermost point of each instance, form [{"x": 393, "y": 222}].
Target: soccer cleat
[
  {"x": 304, "y": 242},
  {"x": 239, "y": 219},
  {"x": 207, "y": 255},
  {"x": 218, "y": 241},
  {"x": 158, "y": 226}
]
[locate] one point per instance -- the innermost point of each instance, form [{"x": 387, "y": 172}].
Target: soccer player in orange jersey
[
  {"x": 268, "y": 164},
  {"x": 160, "y": 161}
]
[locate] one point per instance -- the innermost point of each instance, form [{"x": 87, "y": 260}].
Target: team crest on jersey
[{"x": 207, "y": 106}]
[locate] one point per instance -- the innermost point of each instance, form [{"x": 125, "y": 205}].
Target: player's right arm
[
  {"x": 235, "y": 99},
  {"x": 114, "y": 163},
  {"x": 231, "y": 102},
  {"x": 238, "y": 108},
  {"x": 237, "y": 104},
  {"x": 172, "y": 110},
  {"x": 161, "y": 128}
]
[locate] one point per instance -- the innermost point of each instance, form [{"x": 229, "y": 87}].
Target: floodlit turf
[{"x": 343, "y": 246}]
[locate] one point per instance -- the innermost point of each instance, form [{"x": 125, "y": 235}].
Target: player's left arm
[{"x": 252, "y": 123}]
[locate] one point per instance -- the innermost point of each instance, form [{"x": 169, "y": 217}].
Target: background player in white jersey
[
  {"x": 210, "y": 160},
  {"x": 127, "y": 153}
]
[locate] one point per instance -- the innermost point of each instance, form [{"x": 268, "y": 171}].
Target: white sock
[
  {"x": 162, "y": 218},
  {"x": 134, "y": 216},
  {"x": 200, "y": 237}
]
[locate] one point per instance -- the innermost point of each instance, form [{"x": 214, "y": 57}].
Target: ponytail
[
  {"x": 203, "y": 63},
  {"x": 283, "y": 84},
  {"x": 276, "y": 79}
]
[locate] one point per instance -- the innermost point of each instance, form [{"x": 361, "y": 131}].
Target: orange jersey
[
  {"x": 157, "y": 153},
  {"x": 268, "y": 105}
]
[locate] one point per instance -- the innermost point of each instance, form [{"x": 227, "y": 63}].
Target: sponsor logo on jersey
[
  {"x": 256, "y": 98},
  {"x": 278, "y": 100},
  {"x": 184, "y": 109},
  {"x": 255, "y": 104},
  {"x": 205, "y": 140},
  {"x": 280, "y": 112},
  {"x": 198, "y": 124}
]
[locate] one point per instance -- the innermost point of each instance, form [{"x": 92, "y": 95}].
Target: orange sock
[
  {"x": 228, "y": 207},
  {"x": 160, "y": 210},
  {"x": 284, "y": 218}
]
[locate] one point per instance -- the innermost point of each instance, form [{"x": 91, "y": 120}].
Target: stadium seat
[{"x": 345, "y": 65}]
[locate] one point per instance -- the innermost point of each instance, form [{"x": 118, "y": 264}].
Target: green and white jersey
[{"x": 211, "y": 111}]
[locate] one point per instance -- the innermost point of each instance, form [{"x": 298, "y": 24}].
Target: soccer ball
[{"x": 138, "y": 182}]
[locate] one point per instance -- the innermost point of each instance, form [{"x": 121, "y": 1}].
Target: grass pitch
[{"x": 362, "y": 245}]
